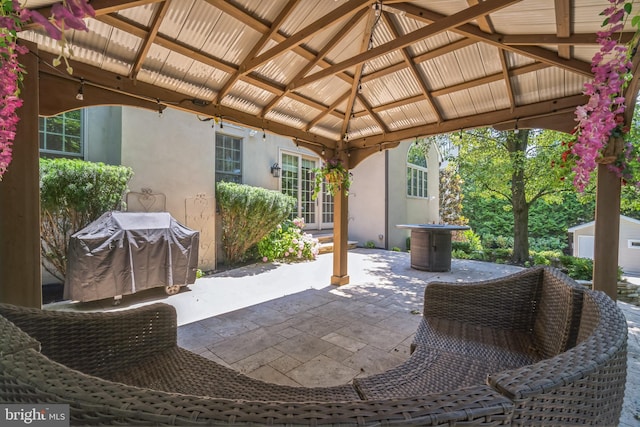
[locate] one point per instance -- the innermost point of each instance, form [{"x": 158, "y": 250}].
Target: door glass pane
[
  {"x": 289, "y": 178},
  {"x": 307, "y": 183}
]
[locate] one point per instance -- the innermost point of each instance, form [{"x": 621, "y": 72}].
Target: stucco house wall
[
  {"x": 404, "y": 209},
  {"x": 173, "y": 154},
  {"x": 629, "y": 243},
  {"x": 367, "y": 217}
]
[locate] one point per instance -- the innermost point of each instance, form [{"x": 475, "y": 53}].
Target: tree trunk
[{"x": 517, "y": 146}]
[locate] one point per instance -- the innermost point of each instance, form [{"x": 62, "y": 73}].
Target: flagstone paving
[{"x": 285, "y": 324}]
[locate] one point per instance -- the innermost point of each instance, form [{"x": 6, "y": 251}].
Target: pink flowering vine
[
  {"x": 600, "y": 117},
  {"x": 13, "y": 17}
]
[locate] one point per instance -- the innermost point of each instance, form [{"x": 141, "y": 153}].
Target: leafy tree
[
  {"x": 515, "y": 167},
  {"x": 248, "y": 214},
  {"x": 72, "y": 194}
]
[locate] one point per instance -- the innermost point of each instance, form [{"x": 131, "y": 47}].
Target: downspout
[{"x": 386, "y": 199}]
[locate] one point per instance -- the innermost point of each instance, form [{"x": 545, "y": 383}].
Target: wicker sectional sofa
[{"x": 532, "y": 348}]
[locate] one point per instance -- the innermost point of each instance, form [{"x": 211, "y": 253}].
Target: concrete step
[
  {"x": 327, "y": 247},
  {"x": 325, "y": 238}
]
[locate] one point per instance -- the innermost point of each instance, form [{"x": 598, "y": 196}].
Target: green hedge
[
  {"x": 74, "y": 193},
  {"x": 248, "y": 214}
]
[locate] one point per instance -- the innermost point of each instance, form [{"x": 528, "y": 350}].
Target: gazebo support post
[
  {"x": 340, "y": 234},
  {"x": 607, "y": 232},
  {"x": 20, "y": 276}
]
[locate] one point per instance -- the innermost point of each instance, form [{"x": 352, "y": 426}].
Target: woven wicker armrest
[
  {"x": 504, "y": 303},
  {"x": 32, "y": 377},
  {"x": 592, "y": 373},
  {"x": 97, "y": 343}
]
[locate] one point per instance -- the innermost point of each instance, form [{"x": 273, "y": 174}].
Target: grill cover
[{"x": 125, "y": 252}]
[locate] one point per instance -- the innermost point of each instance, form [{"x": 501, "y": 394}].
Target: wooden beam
[
  {"x": 484, "y": 22},
  {"x": 145, "y": 91},
  {"x": 473, "y": 121},
  {"x": 471, "y": 31},
  {"x": 445, "y": 23},
  {"x": 282, "y": 16},
  {"x": 102, "y": 7},
  {"x": 414, "y": 71},
  {"x": 342, "y": 12},
  {"x": 319, "y": 58},
  {"x": 148, "y": 40},
  {"x": 328, "y": 111},
  {"x": 20, "y": 277},
  {"x": 563, "y": 25}
]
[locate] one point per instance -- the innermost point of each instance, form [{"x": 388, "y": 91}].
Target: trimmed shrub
[
  {"x": 287, "y": 242},
  {"x": 248, "y": 214},
  {"x": 74, "y": 193}
]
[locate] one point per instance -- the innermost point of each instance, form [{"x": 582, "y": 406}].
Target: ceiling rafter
[
  {"x": 139, "y": 31},
  {"x": 328, "y": 111},
  {"x": 408, "y": 60},
  {"x": 550, "y": 107},
  {"x": 148, "y": 40},
  {"x": 373, "y": 115},
  {"x": 444, "y": 24},
  {"x": 319, "y": 58},
  {"x": 342, "y": 12},
  {"x": 262, "y": 27},
  {"x": 103, "y": 7},
  {"x": 507, "y": 78},
  {"x": 471, "y": 31},
  {"x": 459, "y": 44},
  {"x": 367, "y": 43},
  {"x": 484, "y": 22},
  {"x": 106, "y": 80},
  {"x": 554, "y": 39},
  {"x": 266, "y": 36},
  {"x": 563, "y": 25}
]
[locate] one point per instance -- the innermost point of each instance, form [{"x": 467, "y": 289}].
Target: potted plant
[{"x": 334, "y": 176}]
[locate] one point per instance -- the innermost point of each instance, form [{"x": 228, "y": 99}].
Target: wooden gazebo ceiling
[{"x": 353, "y": 75}]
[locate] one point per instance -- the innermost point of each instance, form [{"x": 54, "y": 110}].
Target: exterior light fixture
[
  {"x": 80, "y": 94},
  {"x": 264, "y": 136},
  {"x": 275, "y": 170}
]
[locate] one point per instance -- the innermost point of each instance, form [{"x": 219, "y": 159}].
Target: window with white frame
[
  {"x": 633, "y": 243},
  {"x": 62, "y": 135},
  {"x": 416, "y": 172},
  {"x": 228, "y": 158}
]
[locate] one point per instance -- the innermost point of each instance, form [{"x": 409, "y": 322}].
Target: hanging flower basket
[{"x": 333, "y": 176}]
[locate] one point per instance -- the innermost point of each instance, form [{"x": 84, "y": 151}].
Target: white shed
[{"x": 629, "y": 246}]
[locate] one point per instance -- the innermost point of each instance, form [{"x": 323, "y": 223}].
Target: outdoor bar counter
[{"x": 431, "y": 245}]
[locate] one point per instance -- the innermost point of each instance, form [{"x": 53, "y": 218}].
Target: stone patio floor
[{"x": 283, "y": 323}]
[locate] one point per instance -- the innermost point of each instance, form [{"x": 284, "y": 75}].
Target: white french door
[{"x": 297, "y": 180}]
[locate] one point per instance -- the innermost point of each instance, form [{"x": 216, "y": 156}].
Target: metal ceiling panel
[
  {"x": 142, "y": 15},
  {"x": 526, "y": 17},
  {"x": 470, "y": 62},
  {"x": 463, "y": 103},
  {"x": 449, "y": 69},
  {"x": 349, "y": 46},
  {"x": 326, "y": 90},
  {"x": 394, "y": 87},
  {"x": 526, "y": 88},
  {"x": 445, "y": 7},
  {"x": 201, "y": 42},
  {"x": 431, "y": 74},
  {"x": 499, "y": 94},
  {"x": 515, "y": 60},
  {"x": 301, "y": 109},
  {"x": 254, "y": 96},
  {"x": 227, "y": 40},
  {"x": 282, "y": 68},
  {"x": 482, "y": 98}
]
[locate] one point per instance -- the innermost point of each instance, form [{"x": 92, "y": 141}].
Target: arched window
[{"x": 417, "y": 171}]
